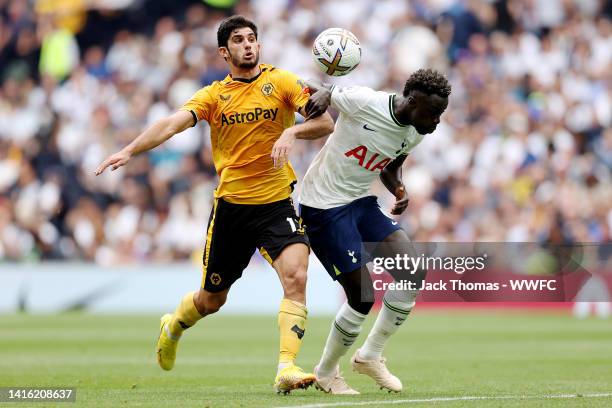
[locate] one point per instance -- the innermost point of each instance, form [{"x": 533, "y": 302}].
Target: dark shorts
[
  {"x": 236, "y": 230},
  {"x": 336, "y": 234}
]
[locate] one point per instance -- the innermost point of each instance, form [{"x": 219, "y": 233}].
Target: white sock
[
  {"x": 344, "y": 331},
  {"x": 396, "y": 307}
]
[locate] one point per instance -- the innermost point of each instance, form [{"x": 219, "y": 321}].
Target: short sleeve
[
  {"x": 292, "y": 89},
  {"x": 201, "y": 103},
  {"x": 350, "y": 99}
]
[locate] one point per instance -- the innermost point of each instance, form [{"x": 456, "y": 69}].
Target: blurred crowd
[{"x": 523, "y": 153}]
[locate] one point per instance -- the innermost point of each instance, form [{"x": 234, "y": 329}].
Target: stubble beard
[{"x": 244, "y": 65}]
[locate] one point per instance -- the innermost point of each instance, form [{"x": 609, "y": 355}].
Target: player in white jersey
[{"x": 374, "y": 133}]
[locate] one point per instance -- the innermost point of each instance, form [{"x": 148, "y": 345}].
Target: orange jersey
[{"x": 246, "y": 118}]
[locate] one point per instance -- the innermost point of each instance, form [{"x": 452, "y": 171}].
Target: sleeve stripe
[{"x": 195, "y": 118}]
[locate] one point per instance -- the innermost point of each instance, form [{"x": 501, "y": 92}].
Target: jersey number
[{"x": 292, "y": 224}]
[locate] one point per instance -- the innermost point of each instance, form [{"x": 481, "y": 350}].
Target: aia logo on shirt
[{"x": 369, "y": 162}]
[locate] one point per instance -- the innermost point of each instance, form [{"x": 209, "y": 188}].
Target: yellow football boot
[
  {"x": 291, "y": 378},
  {"x": 166, "y": 344}
]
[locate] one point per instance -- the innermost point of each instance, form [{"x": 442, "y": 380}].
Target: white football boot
[
  {"x": 334, "y": 384},
  {"x": 377, "y": 370}
]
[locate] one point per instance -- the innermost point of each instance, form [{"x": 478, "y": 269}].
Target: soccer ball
[{"x": 336, "y": 51}]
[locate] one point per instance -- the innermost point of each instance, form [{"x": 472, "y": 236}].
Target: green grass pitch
[{"x": 228, "y": 361}]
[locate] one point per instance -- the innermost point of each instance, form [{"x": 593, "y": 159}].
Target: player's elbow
[
  {"x": 177, "y": 123},
  {"x": 385, "y": 175},
  {"x": 166, "y": 127}
]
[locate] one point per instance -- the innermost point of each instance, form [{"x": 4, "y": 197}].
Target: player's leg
[
  {"x": 336, "y": 242},
  {"x": 227, "y": 252},
  {"x": 291, "y": 266},
  {"x": 397, "y": 304},
  {"x": 283, "y": 243},
  {"x": 376, "y": 227},
  {"x": 358, "y": 289},
  {"x": 345, "y": 329},
  {"x": 193, "y": 307},
  {"x": 347, "y": 324}
]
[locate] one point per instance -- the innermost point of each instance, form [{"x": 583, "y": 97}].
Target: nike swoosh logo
[{"x": 367, "y": 128}]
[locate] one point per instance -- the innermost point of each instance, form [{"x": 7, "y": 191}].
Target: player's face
[
  {"x": 242, "y": 48},
  {"x": 426, "y": 112}
]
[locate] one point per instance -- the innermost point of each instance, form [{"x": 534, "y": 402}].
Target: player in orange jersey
[{"x": 251, "y": 114}]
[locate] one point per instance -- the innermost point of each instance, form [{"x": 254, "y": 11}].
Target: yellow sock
[
  {"x": 185, "y": 315},
  {"x": 292, "y": 324}
]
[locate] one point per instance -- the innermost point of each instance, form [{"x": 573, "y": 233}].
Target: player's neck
[
  {"x": 399, "y": 111},
  {"x": 244, "y": 73}
]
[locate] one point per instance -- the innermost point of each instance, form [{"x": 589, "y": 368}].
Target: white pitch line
[{"x": 446, "y": 399}]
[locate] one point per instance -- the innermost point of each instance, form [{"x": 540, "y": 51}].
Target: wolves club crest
[{"x": 267, "y": 89}]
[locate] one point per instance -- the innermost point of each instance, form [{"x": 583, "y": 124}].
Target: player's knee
[
  {"x": 361, "y": 299},
  {"x": 295, "y": 277},
  {"x": 208, "y": 304},
  {"x": 213, "y": 305},
  {"x": 360, "y": 305}
]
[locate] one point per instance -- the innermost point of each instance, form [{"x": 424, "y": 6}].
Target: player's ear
[
  {"x": 224, "y": 53},
  {"x": 411, "y": 100}
]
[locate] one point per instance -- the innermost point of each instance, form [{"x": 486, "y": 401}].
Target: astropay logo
[{"x": 254, "y": 115}]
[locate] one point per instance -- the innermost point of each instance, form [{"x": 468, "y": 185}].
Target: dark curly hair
[
  {"x": 429, "y": 82},
  {"x": 230, "y": 24}
]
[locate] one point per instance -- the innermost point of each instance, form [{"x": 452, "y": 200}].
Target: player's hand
[
  {"x": 401, "y": 201},
  {"x": 318, "y": 103},
  {"x": 116, "y": 160},
  {"x": 282, "y": 148}
]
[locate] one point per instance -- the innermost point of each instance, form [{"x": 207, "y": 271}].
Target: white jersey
[{"x": 366, "y": 138}]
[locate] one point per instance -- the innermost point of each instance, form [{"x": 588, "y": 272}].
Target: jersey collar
[
  {"x": 229, "y": 78},
  {"x": 391, "y": 99}
]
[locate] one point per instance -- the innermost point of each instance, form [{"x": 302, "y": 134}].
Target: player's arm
[
  {"x": 153, "y": 136},
  {"x": 391, "y": 177},
  {"x": 320, "y": 98},
  {"x": 311, "y": 129}
]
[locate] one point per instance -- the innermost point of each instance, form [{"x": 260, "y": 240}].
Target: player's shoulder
[
  {"x": 353, "y": 90},
  {"x": 272, "y": 70},
  {"x": 380, "y": 99},
  {"x": 279, "y": 74},
  {"x": 214, "y": 87},
  {"x": 366, "y": 97},
  {"x": 211, "y": 90},
  {"x": 283, "y": 80}
]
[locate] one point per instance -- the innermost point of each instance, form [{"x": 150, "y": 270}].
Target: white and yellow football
[{"x": 336, "y": 51}]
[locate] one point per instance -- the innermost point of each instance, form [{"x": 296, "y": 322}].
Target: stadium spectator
[{"x": 523, "y": 152}]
